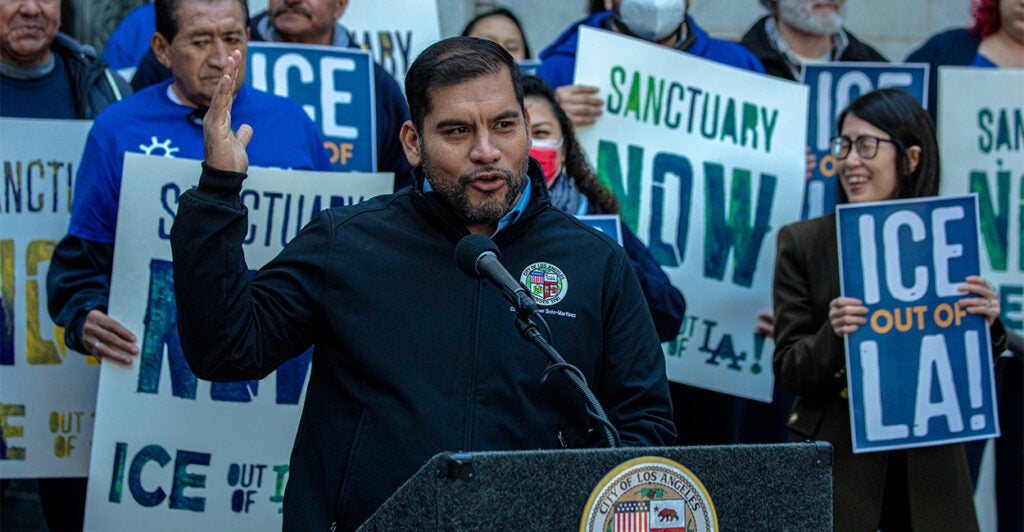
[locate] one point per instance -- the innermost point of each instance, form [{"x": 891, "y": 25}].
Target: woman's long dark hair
[
  {"x": 577, "y": 167},
  {"x": 499, "y": 12},
  {"x": 901, "y": 116}
]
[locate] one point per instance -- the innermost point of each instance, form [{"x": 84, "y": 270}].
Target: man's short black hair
[
  {"x": 453, "y": 61},
  {"x": 167, "y": 16}
]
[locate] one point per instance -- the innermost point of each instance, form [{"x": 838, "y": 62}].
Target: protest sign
[
  {"x": 981, "y": 132},
  {"x": 832, "y": 87},
  {"x": 335, "y": 88},
  {"x": 706, "y": 161},
  {"x": 169, "y": 450},
  {"x": 47, "y": 393},
  {"x": 606, "y": 223},
  {"x": 919, "y": 372},
  {"x": 394, "y": 31}
]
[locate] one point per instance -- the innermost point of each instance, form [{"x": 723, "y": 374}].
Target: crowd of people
[{"x": 475, "y": 146}]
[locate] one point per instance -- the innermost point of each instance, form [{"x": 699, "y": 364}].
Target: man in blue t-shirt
[
  {"x": 317, "y": 22},
  {"x": 193, "y": 40},
  {"x": 658, "y": 21}
]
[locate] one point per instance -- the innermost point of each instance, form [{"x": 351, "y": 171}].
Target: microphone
[{"x": 477, "y": 256}]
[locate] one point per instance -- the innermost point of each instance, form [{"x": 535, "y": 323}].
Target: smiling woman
[{"x": 886, "y": 150}]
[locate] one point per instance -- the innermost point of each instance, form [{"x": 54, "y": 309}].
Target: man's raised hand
[{"x": 224, "y": 149}]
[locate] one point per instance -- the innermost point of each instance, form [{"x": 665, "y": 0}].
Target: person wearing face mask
[
  {"x": 798, "y": 31},
  {"x": 574, "y": 188},
  {"x": 886, "y": 149},
  {"x": 663, "y": 22}
]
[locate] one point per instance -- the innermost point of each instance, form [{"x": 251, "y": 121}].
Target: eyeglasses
[{"x": 867, "y": 146}]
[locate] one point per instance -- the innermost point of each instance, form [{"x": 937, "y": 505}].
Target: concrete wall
[{"x": 895, "y": 27}]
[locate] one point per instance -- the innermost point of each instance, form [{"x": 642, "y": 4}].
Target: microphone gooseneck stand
[
  {"x": 531, "y": 333},
  {"x": 478, "y": 256}
]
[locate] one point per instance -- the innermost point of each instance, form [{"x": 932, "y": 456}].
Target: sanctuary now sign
[
  {"x": 708, "y": 163},
  {"x": 920, "y": 370},
  {"x": 47, "y": 392},
  {"x": 981, "y": 131}
]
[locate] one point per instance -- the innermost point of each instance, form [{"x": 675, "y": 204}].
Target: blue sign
[
  {"x": 919, "y": 371},
  {"x": 529, "y": 67},
  {"x": 606, "y": 223},
  {"x": 335, "y": 88},
  {"x": 832, "y": 87}
]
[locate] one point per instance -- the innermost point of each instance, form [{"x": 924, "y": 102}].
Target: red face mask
[{"x": 546, "y": 153}]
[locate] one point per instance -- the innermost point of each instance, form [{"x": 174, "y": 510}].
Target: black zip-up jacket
[
  {"x": 411, "y": 356},
  {"x": 94, "y": 86},
  {"x": 756, "y": 40}
]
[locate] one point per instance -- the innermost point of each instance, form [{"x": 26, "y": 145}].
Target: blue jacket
[
  {"x": 130, "y": 41},
  {"x": 957, "y": 47},
  {"x": 560, "y": 56}
]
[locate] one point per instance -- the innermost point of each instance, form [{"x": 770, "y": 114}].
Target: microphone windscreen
[{"x": 469, "y": 249}]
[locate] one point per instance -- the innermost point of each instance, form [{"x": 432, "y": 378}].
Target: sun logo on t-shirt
[{"x": 168, "y": 151}]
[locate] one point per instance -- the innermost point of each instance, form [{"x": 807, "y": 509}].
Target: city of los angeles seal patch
[
  {"x": 546, "y": 282},
  {"x": 649, "y": 494}
]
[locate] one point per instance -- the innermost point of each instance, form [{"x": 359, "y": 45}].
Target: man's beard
[
  {"x": 488, "y": 211},
  {"x": 800, "y": 14}
]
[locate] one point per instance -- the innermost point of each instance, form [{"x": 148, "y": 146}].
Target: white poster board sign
[
  {"x": 47, "y": 393},
  {"x": 708, "y": 163},
  {"x": 171, "y": 451},
  {"x": 394, "y": 31},
  {"x": 981, "y": 136}
]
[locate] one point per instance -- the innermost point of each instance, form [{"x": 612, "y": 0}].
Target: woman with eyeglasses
[{"x": 886, "y": 150}]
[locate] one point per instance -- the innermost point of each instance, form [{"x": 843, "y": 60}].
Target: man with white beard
[
  {"x": 801, "y": 31},
  {"x": 796, "y": 32}
]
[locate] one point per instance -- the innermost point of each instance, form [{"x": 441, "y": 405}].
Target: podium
[{"x": 752, "y": 487}]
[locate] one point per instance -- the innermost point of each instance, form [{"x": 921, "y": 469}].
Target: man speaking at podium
[{"x": 411, "y": 356}]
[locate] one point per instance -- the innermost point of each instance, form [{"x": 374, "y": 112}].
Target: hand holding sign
[
  {"x": 987, "y": 305},
  {"x": 224, "y": 149},
  {"x": 846, "y": 314},
  {"x": 107, "y": 338},
  {"x": 581, "y": 103}
]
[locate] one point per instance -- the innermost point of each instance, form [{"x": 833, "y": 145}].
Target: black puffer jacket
[{"x": 94, "y": 85}]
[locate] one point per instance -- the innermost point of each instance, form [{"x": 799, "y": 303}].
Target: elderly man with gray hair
[{"x": 801, "y": 31}]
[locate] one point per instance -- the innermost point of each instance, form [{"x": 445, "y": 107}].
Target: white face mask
[{"x": 652, "y": 20}]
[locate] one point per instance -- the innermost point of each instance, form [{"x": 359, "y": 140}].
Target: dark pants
[{"x": 1009, "y": 447}]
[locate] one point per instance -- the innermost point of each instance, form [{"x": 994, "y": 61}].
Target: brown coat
[{"x": 809, "y": 362}]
